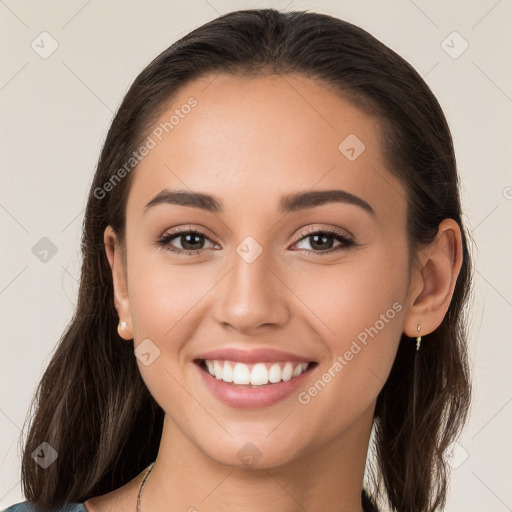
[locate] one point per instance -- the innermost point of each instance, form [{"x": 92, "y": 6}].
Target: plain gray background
[{"x": 56, "y": 111}]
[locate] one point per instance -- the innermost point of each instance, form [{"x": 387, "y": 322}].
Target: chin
[{"x": 258, "y": 453}]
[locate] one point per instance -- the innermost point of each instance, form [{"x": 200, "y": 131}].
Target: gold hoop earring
[{"x": 418, "y": 339}]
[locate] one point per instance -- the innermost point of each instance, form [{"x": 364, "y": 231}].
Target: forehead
[{"x": 252, "y": 140}]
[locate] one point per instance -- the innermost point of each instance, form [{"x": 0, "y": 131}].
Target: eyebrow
[{"x": 289, "y": 203}]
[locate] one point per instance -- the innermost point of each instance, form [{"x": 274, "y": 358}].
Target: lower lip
[{"x": 244, "y": 397}]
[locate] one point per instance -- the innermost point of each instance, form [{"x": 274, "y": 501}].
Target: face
[{"x": 323, "y": 279}]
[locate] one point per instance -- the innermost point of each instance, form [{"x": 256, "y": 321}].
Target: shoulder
[{"x": 26, "y": 506}]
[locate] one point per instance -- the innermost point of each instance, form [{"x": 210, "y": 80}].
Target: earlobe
[
  {"x": 441, "y": 262},
  {"x": 121, "y": 301}
]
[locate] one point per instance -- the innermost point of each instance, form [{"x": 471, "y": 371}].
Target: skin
[{"x": 247, "y": 142}]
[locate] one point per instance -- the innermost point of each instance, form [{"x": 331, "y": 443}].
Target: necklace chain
[
  {"x": 148, "y": 471},
  {"x": 142, "y": 484}
]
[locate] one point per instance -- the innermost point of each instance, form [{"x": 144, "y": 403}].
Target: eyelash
[{"x": 347, "y": 242}]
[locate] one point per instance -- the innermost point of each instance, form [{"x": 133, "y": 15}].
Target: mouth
[{"x": 258, "y": 375}]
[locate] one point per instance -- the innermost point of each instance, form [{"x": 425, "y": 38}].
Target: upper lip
[{"x": 252, "y": 356}]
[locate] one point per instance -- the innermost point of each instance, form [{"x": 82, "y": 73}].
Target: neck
[{"x": 325, "y": 477}]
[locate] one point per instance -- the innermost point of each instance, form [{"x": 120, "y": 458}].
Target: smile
[
  {"x": 252, "y": 375},
  {"x": 248, "y": 395}
]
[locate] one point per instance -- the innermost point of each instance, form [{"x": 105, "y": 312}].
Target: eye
[
  {"x": 322, "y": 240},
  {"x": 188, "y": 239}
]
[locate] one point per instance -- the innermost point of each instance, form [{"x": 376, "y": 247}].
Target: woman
[{"x": 274, "y": 278}]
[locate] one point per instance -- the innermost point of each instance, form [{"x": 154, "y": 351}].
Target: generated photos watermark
[
  {"x": 304, "y": 397},
  {"x": 150, "y": 143}
]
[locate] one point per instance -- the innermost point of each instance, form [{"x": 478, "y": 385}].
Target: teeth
[
  {"x": 256, "y": 375},
  {"x": 241, "y": 374},
  {"x": 287, "y": 371},
  {"x": 218, "y": 369},
  {"x": 274, "y": 374},
  {"x": 227, "y": 373},
  {"x": 297, "y": 371}
]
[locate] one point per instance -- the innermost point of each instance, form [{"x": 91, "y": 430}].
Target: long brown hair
[{"x": 92, "y": 405}]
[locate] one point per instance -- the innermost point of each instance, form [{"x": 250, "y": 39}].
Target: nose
[{"x": 252, "y": 295}]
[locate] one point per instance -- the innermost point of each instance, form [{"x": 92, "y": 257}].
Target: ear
[
  {"x": 433, "y": 283},
  {"x": 119, "y": 281}
]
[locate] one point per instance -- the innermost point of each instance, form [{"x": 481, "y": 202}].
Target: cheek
[
  {"x": 161, "y": 295},
  {"x": 374, "y": 308},
  {"x": 347, "y": 299},
  {"x": 361, "y": 309}
]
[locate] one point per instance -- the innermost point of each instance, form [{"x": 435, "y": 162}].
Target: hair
[{"x": 93, "y": 407}]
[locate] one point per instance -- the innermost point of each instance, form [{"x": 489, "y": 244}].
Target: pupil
[
  {"x": 323, "y": 241},
  {"x": 187, "y": 237}
]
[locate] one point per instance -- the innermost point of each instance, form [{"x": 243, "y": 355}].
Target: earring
[
  {"x": 418, "y": 339},
  {"x": 122, "y": 325}
]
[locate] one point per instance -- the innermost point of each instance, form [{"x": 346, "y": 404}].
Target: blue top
[{"x": 26, "y": 506}]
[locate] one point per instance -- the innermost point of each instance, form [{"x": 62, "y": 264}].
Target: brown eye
[
  {"x": 321, "y": 241},
  {"x": 190, "y": 242}
]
